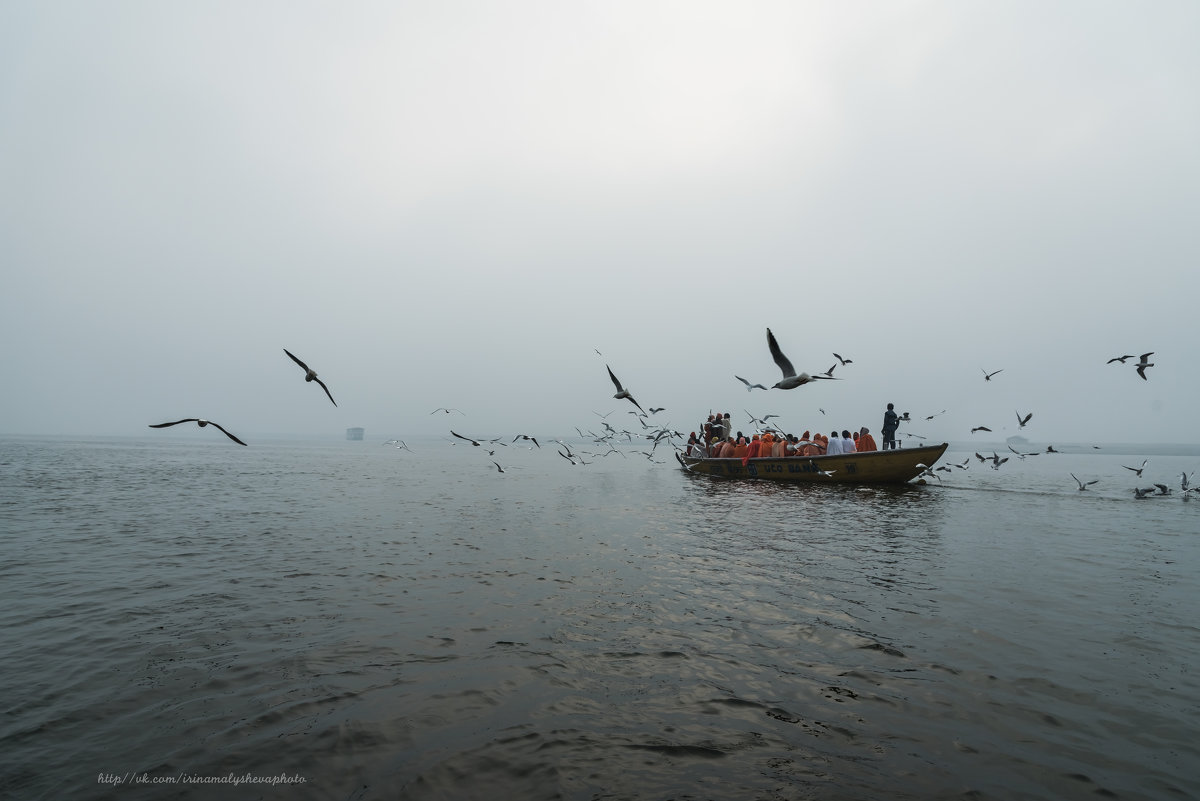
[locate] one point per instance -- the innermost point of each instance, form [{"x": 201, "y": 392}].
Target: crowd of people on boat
[{"x": 717, "y": 440}]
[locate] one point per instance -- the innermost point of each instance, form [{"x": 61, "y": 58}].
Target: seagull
[
  {"x": 310, "y": 375},
  {"x": 930, "y": 417},
  {"x": 791, "y": 379},
  {"x": 760, "y": 421},
  {"x": 980, "y": 428},
  {"x": 1137, "y": 470},
  {"x": 444, "y": 409},
  {"x": 749, "y": 387},
  {"x": 1163, "y": 489},
  {"x": 1120, "y": 359},
  {"x": 468, "y": 439},
  {"x": 1142, "y": 493},
  {"x": 622, "y": 392},
  {"x": 659, "y": 409},
  {"x": 202, "y": 424},
  {"x": 997, "y": 461},
  {"x": 988, "y": 376},
  {"x": 527, "y": 437},
  {"x": 1083, "y": 484},
  {"x": 498, "y": 467},
  {"x": 829, "y": 373},
  {"x": 819, "y": 471},
  {"x": 843, "y": 361},
  {"x": 926, "y": 470},
  {"x": 399, "y": 443},
  {"x": 1021, "y": 421},
  {"x": 1144, "y": 363},
  {"x": 980, "y": 456}
]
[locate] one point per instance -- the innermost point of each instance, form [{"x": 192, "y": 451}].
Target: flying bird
[
  {"x": 1137, "y": 470},
  {"x": 749, "y": 387},
  {"x": 843, "y": 361},
  {"x": 1021, "y": 421},
  {"x": 526, "y": 437},
  {"x": 444, "y": 409},
  {"x": 498, "y": 467},
  {"x": 468, "y": 439},
  {"x": 930, "y": 417},
  {"x": 310, "y": 375},
  {"x": 622, "y": 392},
  {"x": 980, "y": 428},
  {"x": 1120, "y": 359},
  {"x": 791, "y": 379},
  {"x": 654, "y": 410},
  {"x": 1144, "y": 363},
  {"x": 988, "y": 376},
  {"x": 202, "y": 424},
  {"x": 1083, "y": 484}
]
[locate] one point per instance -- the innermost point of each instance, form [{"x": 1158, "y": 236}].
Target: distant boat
[{"x": 894, "y": 466}]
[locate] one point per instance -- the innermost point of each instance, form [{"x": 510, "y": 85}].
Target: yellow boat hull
[{"x": 896, "y": 466}]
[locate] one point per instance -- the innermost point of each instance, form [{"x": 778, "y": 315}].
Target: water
[{"x": 371, "y": 623}]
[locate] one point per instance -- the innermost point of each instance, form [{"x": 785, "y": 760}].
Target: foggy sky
[{"x": 457, "y": 204}]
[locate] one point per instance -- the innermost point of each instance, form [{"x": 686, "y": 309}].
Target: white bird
[
  {"x": 200, "y": 422},
  {"x": 1083, "y": 484},
  {"x": 791, "y": 379},
  {"x": 468, "y": 439},
  {"x": 311, "y": 375},
  {"x": 622, "y": 392},
  {"x": 1144, "y": 363},
  {"x": 526, "y": 437},
  {"x": 819, "y": 471},
  {"x": 1021, "y": 421},
  {"x": 749, "y": 387}
]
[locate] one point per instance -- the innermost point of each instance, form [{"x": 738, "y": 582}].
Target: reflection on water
[{"x": 421, "y": 626}]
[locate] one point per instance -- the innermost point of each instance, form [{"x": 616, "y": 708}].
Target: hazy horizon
[{"x": 458, "y": 205}]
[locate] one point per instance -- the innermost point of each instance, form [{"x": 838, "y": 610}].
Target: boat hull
[{"x": 897, "y": 466}]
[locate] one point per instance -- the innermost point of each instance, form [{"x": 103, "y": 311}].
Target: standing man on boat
[{"x": 891, "y": 421}]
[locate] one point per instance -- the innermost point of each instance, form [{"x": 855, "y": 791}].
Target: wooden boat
[{"x": 896, "y": 466}]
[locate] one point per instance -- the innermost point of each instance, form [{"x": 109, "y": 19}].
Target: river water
[{"x": 186, "y": 618}]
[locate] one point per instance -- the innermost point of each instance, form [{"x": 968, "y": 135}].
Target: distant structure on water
[{"x": 354, "y": 433}]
